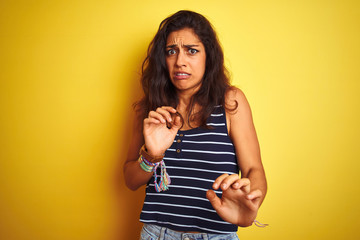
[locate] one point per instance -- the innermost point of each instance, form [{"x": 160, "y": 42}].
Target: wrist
[
  {"x": 151, "y": 156},
  {"x": 154, "y": 153}
]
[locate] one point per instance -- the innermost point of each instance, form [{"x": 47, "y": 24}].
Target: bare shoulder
[
  {"x": 238, "y": 112},
  {"x": 235, "y": 101}
]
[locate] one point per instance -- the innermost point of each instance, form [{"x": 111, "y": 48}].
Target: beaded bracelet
[
  {"x": 152, "y": 167},
  {"x": 146, "y": 165}
]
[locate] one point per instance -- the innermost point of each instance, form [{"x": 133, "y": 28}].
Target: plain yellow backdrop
[{"x": 69, "y": 73}]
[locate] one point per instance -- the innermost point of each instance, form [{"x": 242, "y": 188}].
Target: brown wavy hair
[{"x": 155, "y": 79}]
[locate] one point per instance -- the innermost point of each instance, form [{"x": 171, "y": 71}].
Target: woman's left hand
[{"x": 239, "y": 204}]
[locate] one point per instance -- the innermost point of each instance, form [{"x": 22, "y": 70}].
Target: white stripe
[
  {"x": 216, "y": 115},
  {"x": 215, "y": 124},
  {"x": 187, "y": 187},
  {"x": 181, "y": 225},
  {"x": 211, "y": 152},
  {"x": 184, "y": 216},
  {"x": 194, "y": 188},
  {"x": 178, "y": 196},
  {"x": 221, "y": 143},
  {"x": 201, "y": 151},
  {"x": 193, "y": 178},
  {"x": 202, "y": 134},
  {"x": 201, "y": 170},
  {"x": 177, "y": 205},
  {"x": 197, "y": 160}
]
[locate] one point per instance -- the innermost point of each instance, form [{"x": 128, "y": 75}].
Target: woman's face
[{"x": 185, "y": 60}]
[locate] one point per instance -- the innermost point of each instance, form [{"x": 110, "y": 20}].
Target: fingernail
[
  {"x": 223, "y": 185},
  {"x": 249, "y": 196},
  {"x": 215, "y": 185},
  {"x": 236, "y": 184}
]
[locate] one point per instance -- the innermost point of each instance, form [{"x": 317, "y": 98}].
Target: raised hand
[
  {"x": 158, "y": 137},
  {"x": 238, "y": 204}
]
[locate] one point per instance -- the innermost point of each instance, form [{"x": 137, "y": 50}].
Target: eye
[
  {"x": 170, "y": 52},
  {"x": 192, "y": 51}
]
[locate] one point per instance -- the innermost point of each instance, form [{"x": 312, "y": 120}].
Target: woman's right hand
[{"x": 158, "y": 137}]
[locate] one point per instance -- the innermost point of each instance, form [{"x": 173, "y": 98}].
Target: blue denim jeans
[{"x": 154, "y": 232}]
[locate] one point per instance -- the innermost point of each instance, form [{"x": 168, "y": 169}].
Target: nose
[{"x": 181, "y": 59}]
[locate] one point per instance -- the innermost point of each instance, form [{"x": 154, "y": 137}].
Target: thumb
[
  {"x": 214, "y": 199},
  {"x": 255, "y": 196},
  {"x": 177, "y": 123}
]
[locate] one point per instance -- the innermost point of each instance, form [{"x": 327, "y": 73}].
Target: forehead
[{"x": 183, "y": 36}]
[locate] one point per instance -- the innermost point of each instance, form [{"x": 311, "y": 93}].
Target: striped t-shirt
[{"x": 196, "y": 158}]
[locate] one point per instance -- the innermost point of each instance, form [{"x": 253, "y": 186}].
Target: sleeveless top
[{"x": 196, "y": 158}]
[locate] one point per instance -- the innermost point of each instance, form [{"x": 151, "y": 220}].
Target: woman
[{"x": 192, "y": 119}]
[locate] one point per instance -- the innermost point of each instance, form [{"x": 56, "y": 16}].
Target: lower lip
[{"x": 181, "y": 77}]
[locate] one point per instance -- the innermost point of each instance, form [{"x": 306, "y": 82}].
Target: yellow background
[{"x": 69, "y": 74}]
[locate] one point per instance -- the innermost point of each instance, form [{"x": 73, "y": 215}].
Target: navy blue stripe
[{"x": 196, "y": 158}]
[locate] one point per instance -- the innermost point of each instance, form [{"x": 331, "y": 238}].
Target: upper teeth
[{"x": 182, "y": 74}]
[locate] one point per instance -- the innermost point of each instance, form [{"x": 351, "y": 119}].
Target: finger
[
  {"x": 229, "y": 181},
  {"x": 157, "y": 116},
  {"x": 236, "y": 185},
  {"x": 177, "y": 123},
  {"x": 165, "y": 113},
  {"x": 170, "y": 109},
  {"x": 244, "y": 184},
  {"x": 214, "y": 199},
  {"x": 151, "y": 120},
  {"x": 218, "y": 181},
  {"x": 241, "y": 183},
  {"x": 255, "y": 195}
]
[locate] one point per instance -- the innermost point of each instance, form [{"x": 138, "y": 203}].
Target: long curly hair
[{"x": 155, "y": 79}]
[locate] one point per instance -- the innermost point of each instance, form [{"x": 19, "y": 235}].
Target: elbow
[
  {"x": 130, "y": 183},
  {"x": 127, "y": 177},
  {"x": 131, "y": 186},
  {"x": 133, "y": 179}
]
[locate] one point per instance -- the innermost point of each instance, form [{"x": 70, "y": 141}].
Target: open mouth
[{"x": 181, "y": 75}]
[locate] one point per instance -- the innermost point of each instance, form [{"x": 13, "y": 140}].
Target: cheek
[{"x": 201, "y": 65}]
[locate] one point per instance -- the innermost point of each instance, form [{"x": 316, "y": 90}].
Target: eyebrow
[{"x": 186, "y": 45}]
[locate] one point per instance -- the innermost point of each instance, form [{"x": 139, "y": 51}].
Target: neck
[
  {"x": 183, "y": 106},
  {"x": 185, "y": 96},
  {"x": 184, "y": 100}
]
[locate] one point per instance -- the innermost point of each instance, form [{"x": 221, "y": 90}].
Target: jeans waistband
[{"x": 160, "y": 232}]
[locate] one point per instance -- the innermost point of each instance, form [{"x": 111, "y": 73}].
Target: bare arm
[
  {"x": 243, "y": 135},
  {"x": 157, "y": 137},
  {"x": 134, "y": 175},
  {"x": 241, "y": 198}
]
